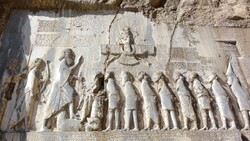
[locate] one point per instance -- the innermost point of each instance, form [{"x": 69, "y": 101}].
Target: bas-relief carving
[
  {"x": 242, "y": 96},
  {"x": 113, "y": 96},
  {"x": 61, "y": 95},
  {"x": 203, "y": 98},
  {"x": 104, "y": 95},
  {"x": 9, "y": 82},
  {"x": 126, "y": 52},
  {"x": 222, "y": 102},
  {"x": 185, "y": 101},
  {"x": 131, "y": 101},
  {"x": 149, "y": 102},
  {"x": 166, "y": 98}
]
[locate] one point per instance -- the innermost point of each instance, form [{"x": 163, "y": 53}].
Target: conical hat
[{"x": 229, "y": 69}]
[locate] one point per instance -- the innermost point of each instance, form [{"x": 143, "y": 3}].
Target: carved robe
[
  {"x": 202, "y": 95},
  {"x": 242, "y": 96},
  {"x": 149, "y": 100},
  {"x": 113, "y": 94},
  {"x": 31, "y": 90},
  {"x": 221, "y": 99},
  {"x": 165, "y": 96},
  {"x": 61, "y": 92},
  {"x": 185, "y": 99},
  {"x": 130, "y": 96}
]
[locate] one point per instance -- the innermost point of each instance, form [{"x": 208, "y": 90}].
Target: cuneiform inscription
[
  {"x": 47, "y": 26},
  {"x": 45, "y": 39}
]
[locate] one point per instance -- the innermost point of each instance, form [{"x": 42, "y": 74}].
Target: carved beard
[{"x": 70, "y": 61}]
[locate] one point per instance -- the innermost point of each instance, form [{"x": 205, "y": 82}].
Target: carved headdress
[
  {"x": 229, "y": 70},
  {"x": 67, "y": 53}
]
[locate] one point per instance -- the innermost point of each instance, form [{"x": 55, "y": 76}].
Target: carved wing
[
  {"x": 113, "y": 49},
  {"x": 142, "y": 49}
]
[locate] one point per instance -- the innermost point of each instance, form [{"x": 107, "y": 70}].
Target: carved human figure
[
  {"x": 167, "y": 106},
  {"x": 185, "y": 101},
  {"x": 242, "y": 96},
  {"x": 86, "y": 101},
  {"x": 94, "y": 122},
  {"x": 61, "y": 94},
  {"x": 8, "y": 83},
  {"x": 149, "y": 102},
  {"x": 222, "y": 101},
  {"x": 131, "y": 100},
  {"x": 126, "y": 41},
  {"x": 34, "y": 86},
  {"x": 113, "y": 96},
  {"x": 203, "y": 98}
]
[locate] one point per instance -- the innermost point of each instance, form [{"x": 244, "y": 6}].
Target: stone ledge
[{"x": 128, "y": 136}]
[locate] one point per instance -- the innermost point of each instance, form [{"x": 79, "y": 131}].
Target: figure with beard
[{"x": 61, "y": 94}]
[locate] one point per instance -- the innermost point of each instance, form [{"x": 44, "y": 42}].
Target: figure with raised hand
[{"x": 61, "y": 94}]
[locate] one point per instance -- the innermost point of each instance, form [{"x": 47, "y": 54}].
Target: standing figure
[
  {"x": 149, "y": 102},
  {"x": 222, "y": 101},
  {"x": 87, "y": 99},
  {"x": 113, "y": 101},
  {"x": 242, "y": 96},
  {"x": 61, "y": 94},
  {"x": 185, "y": 101},
  {"x": 94, "y": 122},
  {"x": 34, "y": 86},
  {"x": 8, "y": 84},
  {"x": 202, "y": 96},
  {"x": 166, "y": 101},
  {"x": 131, "y": 99}
]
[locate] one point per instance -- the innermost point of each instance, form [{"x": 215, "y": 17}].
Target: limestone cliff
[{"x": 230, "y": 13}]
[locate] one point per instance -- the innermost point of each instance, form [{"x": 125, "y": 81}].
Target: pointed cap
[{"x": 229, "y": 69}]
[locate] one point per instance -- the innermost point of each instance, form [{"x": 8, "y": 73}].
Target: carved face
[
  {"x": 69, "y": 56},
  {"x": 230, "y": 79},
  {"x": 157, "y": 76},
  {"x": 192, "y": 76},
  {"x": 40, "y": 64},
  {"x": 211, "y": 77},
  {"x": 177, "y": 75},
  {"x": 13, "y": 64}
]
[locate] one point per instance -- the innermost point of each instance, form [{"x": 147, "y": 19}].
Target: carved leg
[
  {"x": 173, "y": 118},
  {"x": 155, "y": 118},
  {"x": 117, "y": 117},
  {"x": 211, "y": 116},
  {"x": 246, "y": 120},
  {"x": 195, "y": 124},
  {"x": 147, "y": 120},
  {"x": 166, "y": 119},
  {"x": 86, "y": 108},
  {"x": 185, "y": 127},
  {"x": 233, "y": 125},
  {"x": 110, "y": 117},
  {"x": 135, "y": 121},
  {"x": 127, "y": 120},
  {"x": 224, "y": 123},
  {"x": 71, "y": 110},
  {"x": 204, "y": 120},
  {"x": 3, "y": 107}
]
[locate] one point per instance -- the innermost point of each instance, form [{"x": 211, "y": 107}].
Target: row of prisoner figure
[
  {"x": 91, "y": 103},
  {"x": 183, "y": 95}
]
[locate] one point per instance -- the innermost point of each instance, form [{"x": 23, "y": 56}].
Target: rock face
[{"x": 133, "y": 67}]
